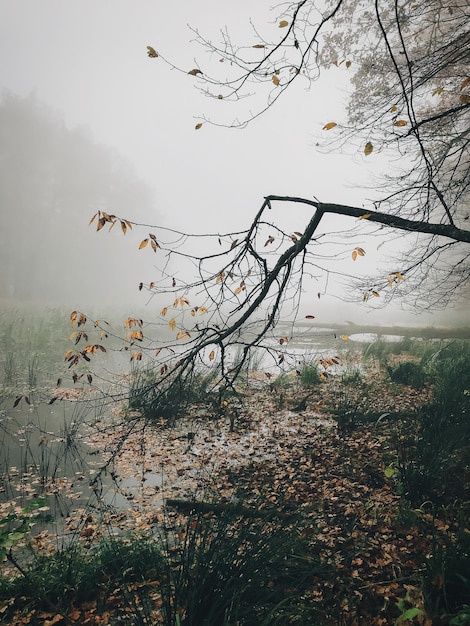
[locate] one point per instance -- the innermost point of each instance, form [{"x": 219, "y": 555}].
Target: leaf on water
[
  {"x": 151, "y": 52},
  {"x": 283, "y": 23},
  {"x": 368, "y": 148},
  {"x": 330, "y": 125}
]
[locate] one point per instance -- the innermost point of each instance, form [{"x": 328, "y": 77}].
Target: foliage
[
  {"x": 310, "y": 374},
  {"x": 447, "y": 578},
  {"x": 206, "y": 570},
  {"x": 169, "y": 399},
  {"x": 436, "y": 445},
  {"x": 407, "y": 373}
]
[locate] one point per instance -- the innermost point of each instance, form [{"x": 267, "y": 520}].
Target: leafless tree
[{"x": 410, "y": 100}]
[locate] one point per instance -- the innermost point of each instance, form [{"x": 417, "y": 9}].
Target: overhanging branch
[{"x": 392, "y": 221}]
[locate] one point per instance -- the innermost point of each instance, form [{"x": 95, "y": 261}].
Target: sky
[{"x": 88, "y": 61}]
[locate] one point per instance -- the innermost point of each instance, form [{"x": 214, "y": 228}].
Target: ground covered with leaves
[{"x": 292, "y": 505}]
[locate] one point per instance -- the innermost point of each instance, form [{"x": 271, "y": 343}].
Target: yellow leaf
[
  {"x": 354, "y": 255},
  {"x": 360, "y": 252},
  {"x": 212, "y": 356},
  {"x": 275, "y": 80},
  {"x": 220, "y": 277},
  {"x": 154, "y": 245},
  {"x": 465, "y": 82},
  {"x": 390, "y": 281},
  {"x": 238, "y": 290},
  {"x": 92, "y": 219},
  {"x": 368, "y": 148},
  {"x": 198, "y": 126},
  {"x": 259, "y": 45},
  {"x": 164, "y": 311},
  {"x": 202, "y": 310},
  {"x": 194, "y": 72},
  {"x": 345, "y": 337},
  {"x": 375, "y": 294},
  {"x": 365, "y": 216},
  {"x": 283, "y": 23},
  {"x": 393, "y": 109},
  {"x": 329, "y": 126},
  {"x": 152, "y": 53},
  {"x": 73, "y": 318},
  {"x": 401, "y": 123},
  {"x": 123, "y": 227},
  {"x": 143, "y": 244},
  {"x": 172, "y": 324}
]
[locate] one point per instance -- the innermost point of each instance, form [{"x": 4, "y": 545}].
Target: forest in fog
[{"x": 52, "y": 180}]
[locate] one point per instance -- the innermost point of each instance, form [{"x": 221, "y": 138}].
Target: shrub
[
  {"x": 407, "y": 373},
  {"x": 435, "y": 456},
  {"x": 154, "y": 397}
]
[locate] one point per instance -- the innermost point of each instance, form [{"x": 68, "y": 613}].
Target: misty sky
[{"x": 88, "y": 61}]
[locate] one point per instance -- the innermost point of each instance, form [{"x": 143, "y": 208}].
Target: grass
[
  {"x": 223, "y": 569},
  {"x": 200, "y": 570}
]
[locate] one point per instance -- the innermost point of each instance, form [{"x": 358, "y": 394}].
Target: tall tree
[{"x": 410, "y": 100}]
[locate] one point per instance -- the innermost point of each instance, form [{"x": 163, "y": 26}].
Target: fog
[{"x": 89, "y": 122}]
